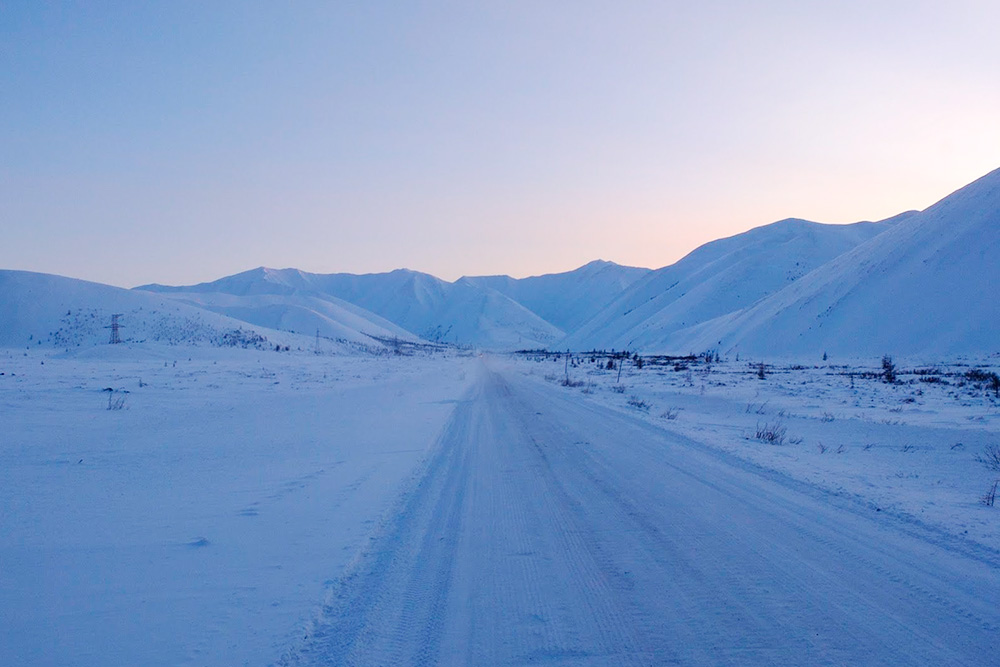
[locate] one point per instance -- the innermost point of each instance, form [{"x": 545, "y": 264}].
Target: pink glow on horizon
[{"x": 178, "y": 145}]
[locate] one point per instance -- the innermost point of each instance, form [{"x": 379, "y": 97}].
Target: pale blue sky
[{"x": 181, "y": 141}]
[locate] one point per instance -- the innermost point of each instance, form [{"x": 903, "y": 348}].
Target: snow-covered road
[{"x": 546, "y": 529}]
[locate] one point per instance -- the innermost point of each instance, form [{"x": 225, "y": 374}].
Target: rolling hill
[{"x": 38, "y": 309}]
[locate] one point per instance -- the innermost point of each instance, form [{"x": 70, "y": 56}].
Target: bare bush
[
  {"x": 772, "y": 434},
  {"x": 988, "y": 378},
  {"x": 990, "y": 457},
  {"x": 638, "y": 403},
  {"x": 618, "y": 389},
  {"x": 670, "y": 413},
  {"x": 990, "y": 497},
  {"x": 116, "y": 398}
]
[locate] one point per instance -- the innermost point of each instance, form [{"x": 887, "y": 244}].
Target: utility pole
[
  {"x": 115, "y": 338},
  {"x": 317, "y": 340}
]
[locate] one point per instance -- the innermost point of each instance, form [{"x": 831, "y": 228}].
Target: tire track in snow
[
  {"x": 545, "y": 530},
  {"x": 826, "y": 562},
  {"x": 384, "y": 585}
]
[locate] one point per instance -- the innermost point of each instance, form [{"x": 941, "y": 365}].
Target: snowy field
[
  {"x": 920, "y": 449},
  {"x": 238, "y": 507},
  {"x": 198, "y": 524}
]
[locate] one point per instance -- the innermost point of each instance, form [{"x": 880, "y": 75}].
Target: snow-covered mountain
[
  {"x": 38, "y": 309},
  {"x": 326, "y": 315},
  {"x": 460, "y": 312},
  {"x": 918, "y": 283},
  {"x": 568, "y": 299},
  {"x": 261, "y": 280},
  {"x": 926, "y": 286},
  {"x": 718, "y": 278}
]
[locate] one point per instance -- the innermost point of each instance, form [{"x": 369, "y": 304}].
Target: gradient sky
[{"x": 177, "y": 142}]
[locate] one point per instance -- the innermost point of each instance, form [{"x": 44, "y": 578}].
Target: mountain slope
[
  {"x": 927, "y": 286},
  {"x": 299, "y": 313},
  {"x": 261, "y": 280},
  {"x": 459, "y": 312},
  {"x": 568, "y": 299},
  {"x": 40, "y": 309},
  {"x": 718, "y": 278}
]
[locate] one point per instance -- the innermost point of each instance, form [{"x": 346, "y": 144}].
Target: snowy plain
[
  {"x": 197, "y": 524},
  {"x": 249, "y": 507}
]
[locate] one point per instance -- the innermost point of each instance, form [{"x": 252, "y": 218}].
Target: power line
[{"x": 115, "y": 326}]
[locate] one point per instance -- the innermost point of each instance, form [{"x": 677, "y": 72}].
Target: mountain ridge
[
  {"x": 467, "y": 311},
  {"x": 919, "y": 282},
  {"x": 717, "y": 278},
  {"x": 926, "y": 286}
]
